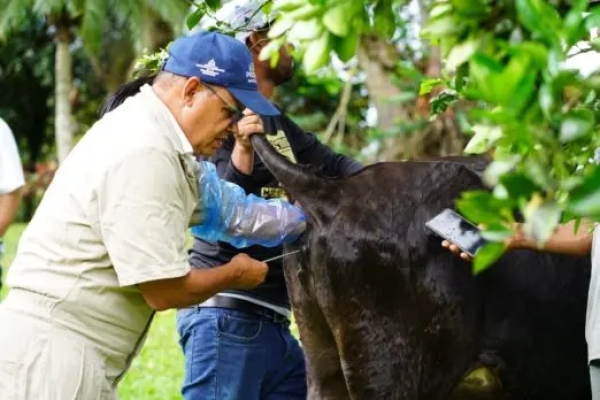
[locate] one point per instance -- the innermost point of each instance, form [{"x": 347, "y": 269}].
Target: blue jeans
[{"x": 238, "y": 355}]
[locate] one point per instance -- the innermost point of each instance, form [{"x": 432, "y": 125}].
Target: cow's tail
[{"x": 299, "y": 181}]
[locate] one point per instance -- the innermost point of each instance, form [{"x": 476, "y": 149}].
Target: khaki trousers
[{"x": 40, "y": 360}]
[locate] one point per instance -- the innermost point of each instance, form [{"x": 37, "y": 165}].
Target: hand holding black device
[{"x": 457, "y": 230}]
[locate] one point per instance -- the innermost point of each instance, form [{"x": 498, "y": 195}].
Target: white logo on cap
[
  {"x": 251, "y": 75},
  {"x": 210, "y": 68}
]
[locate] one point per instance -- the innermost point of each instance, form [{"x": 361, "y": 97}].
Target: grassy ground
[{"x": 158, "y": 371}]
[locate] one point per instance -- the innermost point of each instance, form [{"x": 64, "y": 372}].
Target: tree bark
[
  {"x": 63, "y": 87},
  {"x": 377, "y": 58}
]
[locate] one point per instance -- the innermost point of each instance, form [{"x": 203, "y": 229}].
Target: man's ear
[{"x": 190, "y": 88}]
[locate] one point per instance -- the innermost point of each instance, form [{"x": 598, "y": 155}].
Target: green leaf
[
  {"x": 576, "y": 124},
  {"x": 574, "y": 28},
  {"x": 518, "y": 185},
  {"x": 487, "y": 255},
  {"x": 496, "y": 233},
  {"x": 336, "y": 19},
  {"x": 439, "y": 9},
  {"x": 479, "y": 207},
  {"x": 471, "y": 8},
  {"x": 195, "y": 17},
  {"x": 317, "y": 53},
  {"x": 539, "y": 174},
  {"x": 585, "y": 199},
  {"x": 384, "y": 21},
  {"x": 462, "y": 52},
  {"x": 346, "y": 47},
  {"x": 445, "y": 25},
  {"x": 542, "y": 221},
  {"x": 515, "y": 85},
  {"x": 428, "y": 84},
  {"x": 460, "y": 77},
  {"x": 546, "y": 99},
  {"x": 540, "y": 18},
  {"x": 309, "y": 29},
  {"x": 443, "y": 100},
  {"x": 213, "y": 4},
  {"x": 288, "y": 5},
  {"x": 593, "y": 19},
  {"x": 484, "y": 139},
  {"x": 537, "y": 52},
  {"x": 493, "y": 172},
  {"x": 510, "y": 86},
  {"x": 281, "y": 26}
]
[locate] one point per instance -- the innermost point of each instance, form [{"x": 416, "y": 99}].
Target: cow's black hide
[{"x": 385, "y": 312}]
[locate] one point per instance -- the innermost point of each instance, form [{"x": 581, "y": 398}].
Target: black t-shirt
[{"x": 307, "y": 150}]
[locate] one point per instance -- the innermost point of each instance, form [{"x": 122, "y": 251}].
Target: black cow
[{"x": 385, "y": 312}]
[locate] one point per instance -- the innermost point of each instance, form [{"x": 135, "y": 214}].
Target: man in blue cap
[
  {"x": 107, "y": 245},
  {"x": 238, "y": 344}
]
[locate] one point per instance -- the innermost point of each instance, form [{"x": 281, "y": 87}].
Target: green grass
[{"x": 157, "y": 373}]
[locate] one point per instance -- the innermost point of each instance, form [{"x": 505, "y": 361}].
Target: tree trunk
[
  {"x": 377, "y": 58},
  {"x": 63, "y": 88}
]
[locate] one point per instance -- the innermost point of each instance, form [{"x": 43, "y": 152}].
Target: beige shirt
[{"x": 114, "y": 216}]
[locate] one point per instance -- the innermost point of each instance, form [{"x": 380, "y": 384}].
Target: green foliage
[
  {"x": 538, "y": 118},
  {"x": 150, "y": 62},
  {"x": 323, "y": 27}
]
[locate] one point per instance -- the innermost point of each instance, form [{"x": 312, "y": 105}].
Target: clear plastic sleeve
[{"x": 227, "y": 214}]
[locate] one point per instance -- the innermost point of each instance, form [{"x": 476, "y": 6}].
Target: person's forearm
[
  {"x": 242, "y": 220},
  {"x": 564, "y": 240},
  {"x": 243, "y": 159},
  {"x": 194, "y": 288},
  {"x": 9, "y": 204}
]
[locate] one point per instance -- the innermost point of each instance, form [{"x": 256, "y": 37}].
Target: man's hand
[
  {"x": 512, "y": 242},
  {"x": 455, "y": 250},
  {"x": 247, "y": 126},
  {"x": 242, "y": 272},
  {"x": 250, "y": 272}
]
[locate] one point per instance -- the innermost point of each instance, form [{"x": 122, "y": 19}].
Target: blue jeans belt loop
[{"x": 243, "y": 305}]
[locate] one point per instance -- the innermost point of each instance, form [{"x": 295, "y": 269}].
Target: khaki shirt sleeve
[{"x": 142, "y": 217}]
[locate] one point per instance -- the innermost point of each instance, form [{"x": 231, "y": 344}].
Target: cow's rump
[{"x": 385, "y": 312}]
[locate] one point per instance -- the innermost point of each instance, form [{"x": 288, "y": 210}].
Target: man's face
[
  {"x": 284, "y": 70},
  {"x": 207, "y": 116}
]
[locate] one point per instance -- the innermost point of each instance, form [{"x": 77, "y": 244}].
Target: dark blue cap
[{"x": 220, "y": 60}]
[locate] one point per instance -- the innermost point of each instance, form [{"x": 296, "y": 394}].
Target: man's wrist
[
  {"x": 518, "y": 240},
  {"x": 246, "y": 148}
]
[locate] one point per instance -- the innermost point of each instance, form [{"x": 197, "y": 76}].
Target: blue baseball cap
[{"x": 220, "y": 60}]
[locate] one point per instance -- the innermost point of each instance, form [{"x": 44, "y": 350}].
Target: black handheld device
[{"x": 453, "y": 227}]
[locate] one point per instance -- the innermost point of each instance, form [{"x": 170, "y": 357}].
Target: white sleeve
[{"x": 11, "y": 170}]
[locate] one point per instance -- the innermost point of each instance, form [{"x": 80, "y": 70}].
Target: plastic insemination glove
[{"x": 229, "y": 215}]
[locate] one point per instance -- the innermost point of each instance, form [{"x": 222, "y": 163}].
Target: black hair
[{"x": 126, "y": 90}]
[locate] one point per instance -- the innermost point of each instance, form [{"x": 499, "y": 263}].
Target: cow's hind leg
[{"x": 324, "y": 372}]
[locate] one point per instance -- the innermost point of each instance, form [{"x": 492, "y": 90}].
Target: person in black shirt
[{"x": 238, "y": 344}]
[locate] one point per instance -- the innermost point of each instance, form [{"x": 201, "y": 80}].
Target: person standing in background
[
  {"x": 238, "y": 344},
  {"x": 11, "y": 182}
]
